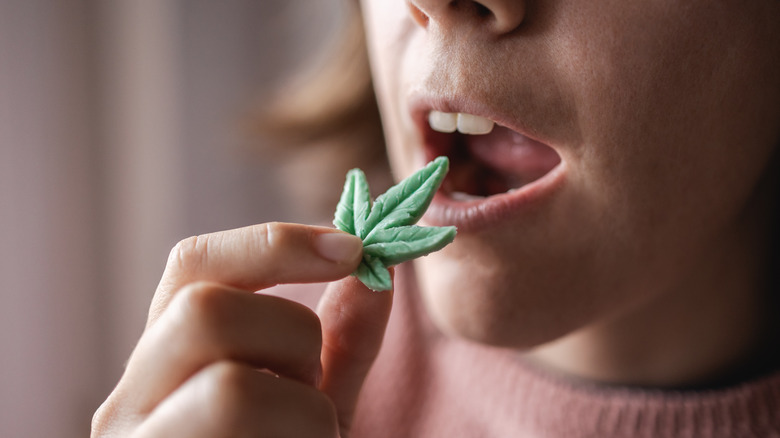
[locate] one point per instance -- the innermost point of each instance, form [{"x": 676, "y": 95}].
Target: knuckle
[
  {"x": 240, "y": 399},
  {"x": 267, "y": 235},
  {"x": 230, "y": 381},
  {"x": 204, "y": 304},
  {"x": 273, "y": 235},
  {"x": 229, "y": 387},
  {"x": 105, "y": 418},
  {"x": 189, "y": 254},
  {"x": 100, "y": 420}
]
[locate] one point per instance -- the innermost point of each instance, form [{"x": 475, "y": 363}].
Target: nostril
[
  {"x": 499, "y": 16},
  {"x": 418, "y": 15},
  {"x": 482, "y": 10},
  {"x": 506, "y": 15}
]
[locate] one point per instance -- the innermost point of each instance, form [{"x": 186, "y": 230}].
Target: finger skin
[
  {"x": 353, "y": 321},
  {"x": 229, "y": 399},
  {"x": 206, "y": 323},
  {"x": 252, "y": 258},
  {"x": 204, "y": 318}
]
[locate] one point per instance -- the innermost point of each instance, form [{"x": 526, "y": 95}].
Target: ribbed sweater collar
[{"x": 558, "y": 407}]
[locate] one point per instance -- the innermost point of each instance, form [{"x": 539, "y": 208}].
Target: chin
[{"x": 492, "y": 304}]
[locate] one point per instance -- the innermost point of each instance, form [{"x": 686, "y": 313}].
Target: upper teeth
[{"x": 463, "y": 123}]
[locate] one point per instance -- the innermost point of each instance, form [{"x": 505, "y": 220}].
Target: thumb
[{"x": 353, "y": 324}]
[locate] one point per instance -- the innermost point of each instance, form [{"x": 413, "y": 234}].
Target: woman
[{"x": 614, "y": 180}]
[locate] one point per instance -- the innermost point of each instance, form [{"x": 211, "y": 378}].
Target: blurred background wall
[{"x": 120, "y": 135}]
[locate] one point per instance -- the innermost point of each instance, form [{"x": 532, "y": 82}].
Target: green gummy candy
[{"x": 387, "y": 226}]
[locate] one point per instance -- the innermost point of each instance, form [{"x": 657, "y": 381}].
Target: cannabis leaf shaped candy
[{"x": 387, "y": 226}]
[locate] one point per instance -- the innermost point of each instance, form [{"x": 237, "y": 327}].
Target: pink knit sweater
[{"x": 425, "y": 384}]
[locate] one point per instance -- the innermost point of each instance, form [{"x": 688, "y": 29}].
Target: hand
[{"x": 217, "y": 360}]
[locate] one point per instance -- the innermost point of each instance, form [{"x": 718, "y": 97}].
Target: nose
[{"x": 500, "y": 16}]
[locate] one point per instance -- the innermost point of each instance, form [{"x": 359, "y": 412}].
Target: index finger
[{"x": 257, "y": 257}]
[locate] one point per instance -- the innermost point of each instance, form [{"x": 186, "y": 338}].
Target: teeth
[
  {"x": 443, "y": 122},
  {"x": 475, "y": 125},
  {"x": 465, "y": 197},
  {"x": 463, "y": 123}
]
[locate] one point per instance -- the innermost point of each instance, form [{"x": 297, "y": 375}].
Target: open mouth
[{"x": 486, "y": 159}]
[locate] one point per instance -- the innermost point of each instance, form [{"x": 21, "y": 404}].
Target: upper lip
[{"x": 421, "y": 106}]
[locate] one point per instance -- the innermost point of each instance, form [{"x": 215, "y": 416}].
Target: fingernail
[{"x": 338, "y": 247}]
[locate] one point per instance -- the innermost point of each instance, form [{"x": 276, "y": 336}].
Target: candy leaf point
[
  {"x": 354, "y": 205},
  {"x": 374, "y": 274},
  {"x": 344, "y": 219},
  {"x": 362, "y": 202},
  {"x": 405, "y": 202},
  {"x": 397, "y": 245}
]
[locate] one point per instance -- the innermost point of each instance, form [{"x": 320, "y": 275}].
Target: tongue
[{"x": 512, "y": 155}]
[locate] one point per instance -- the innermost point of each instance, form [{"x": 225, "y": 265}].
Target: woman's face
[{"x": 629, "y": 140}]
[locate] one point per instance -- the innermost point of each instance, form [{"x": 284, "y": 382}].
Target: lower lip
[{"x": 482, "y": 214}]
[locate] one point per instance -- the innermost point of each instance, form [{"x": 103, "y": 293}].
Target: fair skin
[
  {"x": 651, "y": 226},
  {"x": 194, "y": 370},
  {"x": 634, "y": 255}
]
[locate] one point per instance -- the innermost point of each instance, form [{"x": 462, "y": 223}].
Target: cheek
[
  {"x": 390, "y": 32},
  {"x": 668, "y": 104}
]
